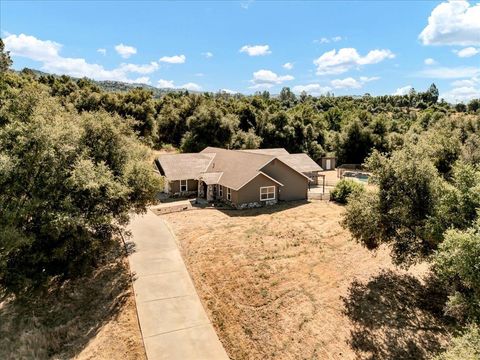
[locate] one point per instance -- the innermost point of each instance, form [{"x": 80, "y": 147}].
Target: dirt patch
[
  {"x": 90, "y": 318},
  {"x": 288, "y": 283}
]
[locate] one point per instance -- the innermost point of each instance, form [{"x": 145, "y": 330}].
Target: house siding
[
  {"x": 295, "y": 186},
  {"x": 250, "y": 193},
  {"x": 192, "y": 186}
]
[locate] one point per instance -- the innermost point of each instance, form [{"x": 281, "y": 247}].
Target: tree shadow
[
  {"x": 397, "y": 317},
  {"x": 61, "y": 322}
]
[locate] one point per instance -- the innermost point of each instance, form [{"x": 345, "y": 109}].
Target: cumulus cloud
[
  {"x": 175, "y": 59},
  {"x": 288, "y": 66},
  {"x": 207, "y": 54},
  {"x": 102, "y": 51},
  {"x": 467, "y": 52},
  {"x": 333, "y": 62},
  {"x": 312, "y": 89},
  {"x": 429, "y": 61},
  {"x": 461, "y": 94},
  {"x": 125, "y": 51},
  {"x": 267, "y": 78},
  {"x": 48, "y": 54},
  {"x": 191, "y": 86},
  {"x": 442, "y": 72},
  {"x": 256, "y": 50},
  {"x": 140, "y": 69},
  {"x": 31, "y": 47},
  {"x": 169, "y": 84},
  {"x": 453, "y": 23},
  {"x": 403, "y": 90},
  {"x": 229, "y": 91},
  {"x": 351, "y": 83},
  {"x": 165, "y": 84},
  {"x": 142, "y": 80}
]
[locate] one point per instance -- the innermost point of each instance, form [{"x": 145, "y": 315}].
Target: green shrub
[
  {"x": 344, "y": 189},
  {"x": 465, "y": 347}
]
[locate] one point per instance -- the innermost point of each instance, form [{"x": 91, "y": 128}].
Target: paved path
[{"x": 173, "y": 322}]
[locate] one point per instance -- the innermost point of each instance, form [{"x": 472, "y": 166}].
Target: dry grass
[
  {"x": 90, "y": 318},
  {"x": 287, "y": 283}
]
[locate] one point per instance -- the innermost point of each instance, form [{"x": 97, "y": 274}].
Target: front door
[{"x": 328, "y": 164}]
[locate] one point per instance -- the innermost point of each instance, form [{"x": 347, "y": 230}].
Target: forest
[{"x": 75, "y": 161}]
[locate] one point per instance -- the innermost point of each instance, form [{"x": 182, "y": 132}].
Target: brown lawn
[
  {"x": 90, "y": 318},
  {"x": 288, "y": 283}
]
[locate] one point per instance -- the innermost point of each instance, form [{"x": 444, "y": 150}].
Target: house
[{"x": 241, "y": 178}]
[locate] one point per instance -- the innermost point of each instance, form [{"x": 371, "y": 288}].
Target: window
[
  {"x": 220, "y": 190},
  {"x": 229, "y": 194},
  {"x": 267, "y": 193},
  {"x": 183, "y": 185}
]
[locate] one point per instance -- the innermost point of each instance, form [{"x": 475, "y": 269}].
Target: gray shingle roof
[
  {"x": 184, "y": 166},
  {"x": 300, "y": 162},
  {"x": 273, "y": 151},
  {"x": 238, "y": 167}
]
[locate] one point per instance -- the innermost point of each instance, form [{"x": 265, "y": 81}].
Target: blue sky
[{"x": 345, "y": 47}]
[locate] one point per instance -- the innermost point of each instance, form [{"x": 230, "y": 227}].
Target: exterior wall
[
  {"x": 249, "y": 195},
  {"x": 295, "y": 186},
  {"x": 192, "y": 187},
  {"x": 333, "y": 163}
]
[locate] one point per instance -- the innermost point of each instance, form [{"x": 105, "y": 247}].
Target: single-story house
[{"x": 241, "y": 178}]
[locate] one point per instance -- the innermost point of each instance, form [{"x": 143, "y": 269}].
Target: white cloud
[
  {"x": 256, "y": 50},
  {"x": 467, "y": 83},
  {"x": 207, "y": 54},
  {"x": 325, "y": 40},
  {"x": 288, "y": 66},
  {"x": 140, "y": 69},
  {"x": 175, "y": 59},
  {"x": 449, "y": 73},
  {"x": 365, "y": 79},
  {"x": 48, "y": 54},
  {"x": 267, "y": 79},
  {"x": 191, "y": 86},
  {"x": 453, "y": 23},
  {"x": 461, "y": 94},
  {"x": 429, "y": 61},
  {"x": 467, "y": 52},
  {"x": 169, "y": 84},
  {"x": 125, "y": 51},
  {"x": 102, "y": 51},
  {"x": 31, "y": 47},
  {"x": 246, "y": 4},
  {"x": 200, "y": 74},
  {"x": 403, "y": 90},
  {"x": 333, "y": 62},
  {"x": 228, "y": 91},
  {"x": 312, "y": 89},
  {"x": 349, "y": 83},
  {"x": 165, "y": 84},
  {"x": 142, "y": 80}
]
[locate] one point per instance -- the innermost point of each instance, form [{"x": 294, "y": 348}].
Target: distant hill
[{"x": 119, "y": 86}]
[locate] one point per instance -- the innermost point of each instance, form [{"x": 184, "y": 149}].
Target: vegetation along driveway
[{"x": 173, "y": 322}]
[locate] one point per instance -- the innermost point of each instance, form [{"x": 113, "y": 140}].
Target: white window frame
[
  {"x": 220, "y": 190},
  {"x": 229, "y": 193},
  {"x": 268, "y": 192},
  {"x": 183, "y": 185}
]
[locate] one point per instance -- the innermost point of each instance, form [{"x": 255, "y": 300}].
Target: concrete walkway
[{"x": 173, "y": 322}]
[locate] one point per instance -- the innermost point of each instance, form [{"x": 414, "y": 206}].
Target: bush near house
[{"x": 344, "y": 189}]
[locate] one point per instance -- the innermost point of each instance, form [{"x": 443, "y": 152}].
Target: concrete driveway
[{"x": 173, "y": 322}]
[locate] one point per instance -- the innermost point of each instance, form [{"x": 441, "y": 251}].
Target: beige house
[{"x": 242, "y": 178}]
